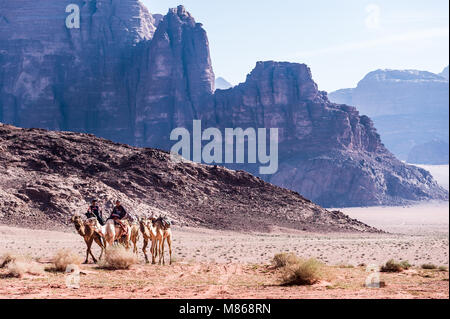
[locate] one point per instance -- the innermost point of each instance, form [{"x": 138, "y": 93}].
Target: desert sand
[{"x": 224, "y": 264}]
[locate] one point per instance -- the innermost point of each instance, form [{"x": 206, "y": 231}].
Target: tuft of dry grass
[
  {"x": 118, "y": 257},
  {"x": 306, "y": 272},
  {"x": 17, "y": 265},
  {"x": 429, "y": 266},
  {"x": 284, "y": 259},
  {"x": 64, "y": 258},
  {"x": 394, "y": 266}
]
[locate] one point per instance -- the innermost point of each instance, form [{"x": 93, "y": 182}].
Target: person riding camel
[
  {"x": 94, "y": 211},
  {"x": 117, "y": 215}
]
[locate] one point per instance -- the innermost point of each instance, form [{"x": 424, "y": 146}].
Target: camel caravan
[{"x": 118, "y": 230}]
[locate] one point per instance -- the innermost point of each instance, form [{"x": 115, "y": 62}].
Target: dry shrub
[
  {"x": 306, "y": 272},
  {"x": 285, "y": 259},
  {"x": 8, "y": 258},
  {"x": 17, "y": 265},
  {"x": 118, "y": 257},
  {"x": 429, "y": 266},
  {"x": 393, "y": 266},
  {"x": 64, "y": 258}
]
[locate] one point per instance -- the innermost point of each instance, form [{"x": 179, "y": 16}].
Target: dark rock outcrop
[
  {"x": 49, "y": 176},
  {"x": 130, "y": 76},
  {"x": 408, "y": 107}
]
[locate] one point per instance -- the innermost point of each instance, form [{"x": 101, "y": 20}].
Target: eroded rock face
[
  {"x": 118, "y": 76},
  {"x": 328, "y": 152},
  {"x": 49, "y": 176},
  {"x": 132, "y": 77}
]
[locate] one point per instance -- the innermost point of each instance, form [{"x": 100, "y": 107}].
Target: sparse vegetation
[
  {"x": 285, "y": 259},
  {"x": 394, "y": 266},
  {"x": 17, "y": 265},
  {"x": 118, "y": 258},
  {"x": 306, "y": 272},
  {"x": 64, "y": 258},
  {"x": 429, "y": 266}
]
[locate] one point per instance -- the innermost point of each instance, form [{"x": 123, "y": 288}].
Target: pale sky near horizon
[{"x": 340, "y": 40}]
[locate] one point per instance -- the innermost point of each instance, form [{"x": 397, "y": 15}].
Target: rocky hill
[
  {"x": 409, "y": 108},
  {"x": 132, "y": 77},
  {"x": 49, "y": 176}
]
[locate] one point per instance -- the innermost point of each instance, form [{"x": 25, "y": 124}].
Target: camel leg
[
  {"x": 169, "y": 241},
  {"x": 161, "y": 251},
  {"x": 154, "y": 250},
  {"x": 135, "y": 248},
  {"x": 144, "y": 249},
  {"x": 99, "y": 242},
  {"x": 88, "y": 250}
]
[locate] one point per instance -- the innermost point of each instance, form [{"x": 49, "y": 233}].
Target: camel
[
  {"x": 163, "y": 233},
  {"x": 89, "y": 235},
  {"x": 134, "y": 235},
  {"x": 149, "y": 234},
  {"x": 111, "y": 232}
]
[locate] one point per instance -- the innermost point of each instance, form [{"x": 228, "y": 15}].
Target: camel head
[{"x": 79, "y": 224}]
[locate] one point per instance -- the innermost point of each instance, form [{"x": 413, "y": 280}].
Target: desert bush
[
  {"x": 393, "y": 266},
  {"x": 17, "y": 265},
  {"x": 429, "y": 266},
  {"x": 18, "y": 268},
  {"x": 284, "y": 259},
  {"x": 443, "y": 268},
  {"x": 8, "y": 258},
  {"x": 306, "y": 272},
  {"x": 64, "y": 258},
  {"x": 118, "y": 258}
]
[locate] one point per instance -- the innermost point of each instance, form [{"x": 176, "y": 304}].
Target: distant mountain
[
  {"x": 432, "y": 153},
  {"x": 222, "y": 84},
  {"x": 408, "y": 107},
  {"x": 444, "y": 73}
]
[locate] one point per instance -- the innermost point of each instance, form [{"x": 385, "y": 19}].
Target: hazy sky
[{"x": 340, "y": 40}]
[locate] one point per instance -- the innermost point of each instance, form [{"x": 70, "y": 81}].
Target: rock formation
[
  {"x": 131, "y": 77},
  {"x": 328, "y": 152},
  {"x": 49, "y": 176},
  {"x": 408, "y": 107}
]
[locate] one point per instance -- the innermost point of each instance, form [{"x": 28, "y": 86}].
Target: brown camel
[
  {"x": 133, "y": 229},
  {"x": 89, "y": 235},
  {"x": 149, "y": 234},
  {"x": 163, "y": 233}
]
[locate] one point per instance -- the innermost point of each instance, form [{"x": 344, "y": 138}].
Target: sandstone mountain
[
  {"x": 49, "y": 176},
  {"x": 328, "y": 152},
  {"x": 131, "y": 77},
  {"x": 408, "y": 107}
]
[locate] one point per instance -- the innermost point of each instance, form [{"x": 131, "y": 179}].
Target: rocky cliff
[
  {"x": 122, "y": 74},
  {"x": 408, "y": 107},
  {"x": 49, "y": 176},
  {"x": 130, "y": 76},
  {"x": 328, "y": 152}
]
